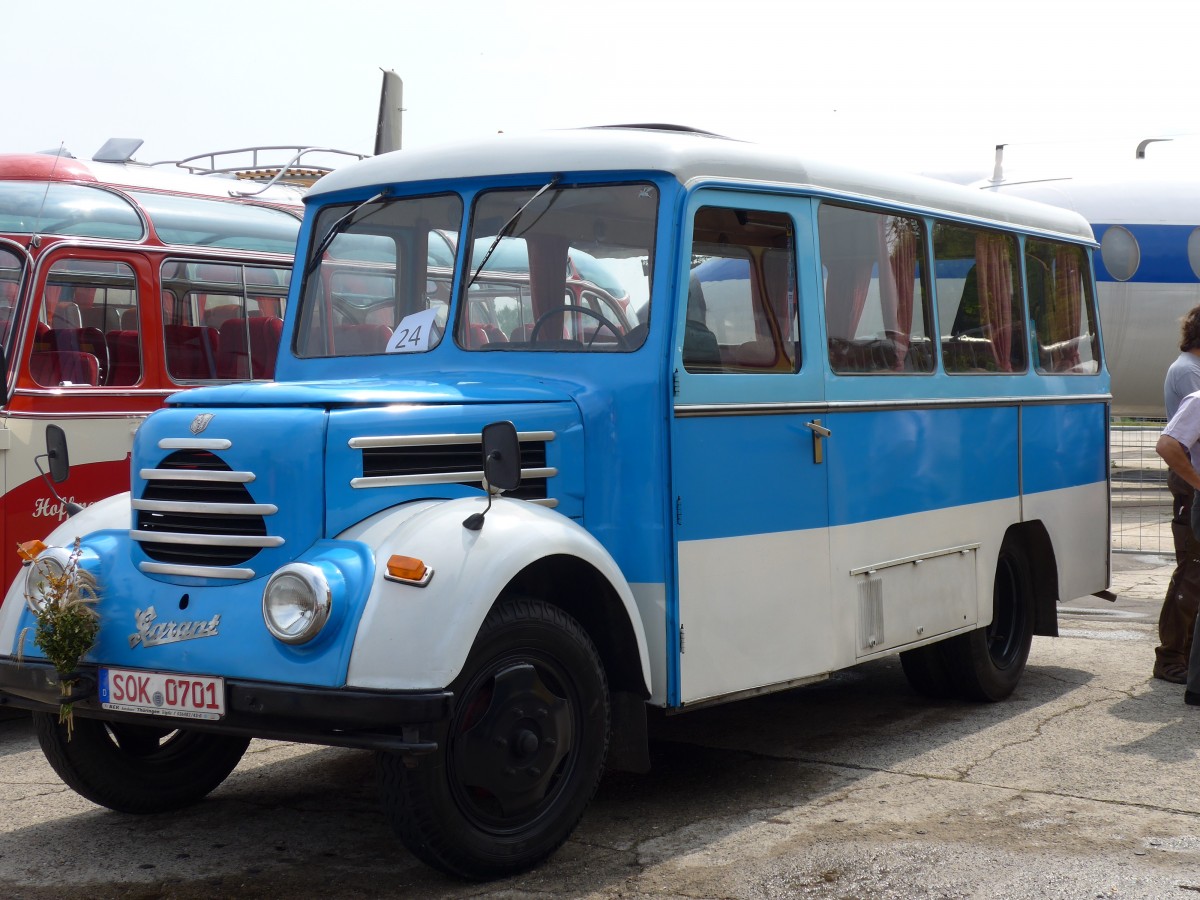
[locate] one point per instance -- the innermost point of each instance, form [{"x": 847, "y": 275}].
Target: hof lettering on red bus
[{"x": 47, "y": 508}]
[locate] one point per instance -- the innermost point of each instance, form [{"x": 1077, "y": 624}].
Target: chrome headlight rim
[
  {"x": 316, "y": 584},
  {"x": 50, "y": 563}
]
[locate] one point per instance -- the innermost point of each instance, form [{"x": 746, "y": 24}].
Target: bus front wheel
[
  {"x": 137, "y": 768},
  {"x": 523, "y": 754}
]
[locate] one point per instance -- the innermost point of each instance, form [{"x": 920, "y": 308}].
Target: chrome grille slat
[
  {"x": 213, "y": 540},
  {"x": 233, "y": 574},
  {"x": 378, "y": 481},
  {"x": 194, "y": 444},
  {"x": 201, "y": 475},
  {"x": 434, "y": 440},
  {"x": 207, "y": 509}
]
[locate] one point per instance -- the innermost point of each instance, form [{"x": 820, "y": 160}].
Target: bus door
[
  {"x": 748, "y": 454},
  {"x": 78, "y": 364}
]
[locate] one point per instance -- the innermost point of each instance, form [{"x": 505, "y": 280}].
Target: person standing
[{"x": 1176, "y": 620}]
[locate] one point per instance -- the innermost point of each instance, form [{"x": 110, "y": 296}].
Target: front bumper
[{"x": 401, "y": 722}]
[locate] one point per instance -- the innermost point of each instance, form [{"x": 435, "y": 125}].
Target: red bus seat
[
  {"x": 360, "y": 340},
  {"x": 52, "y": 368},
  {"x": 124, "y": 357},
  {"x": 263, "y": 333},
  {"x": 192, "y": 351},
  {"x": 82, "y": 340}
]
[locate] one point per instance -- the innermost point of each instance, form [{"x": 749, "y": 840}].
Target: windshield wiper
[
  {"x": 503, "y": 232},
  {"x": 335, "y": 229}
]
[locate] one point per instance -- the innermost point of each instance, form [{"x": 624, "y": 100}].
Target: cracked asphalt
[{"x": 1084, "y": 784}]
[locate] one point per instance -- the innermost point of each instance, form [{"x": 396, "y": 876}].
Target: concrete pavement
[{"x": 1082, "y": 785}]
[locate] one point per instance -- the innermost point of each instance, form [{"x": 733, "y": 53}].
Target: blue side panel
[
  {"x": 896, "y": 462},
  {"x": 1063, "y": 446},
  {"x": 741, "y": 475},
  {"x": 1163, "y": 250}
]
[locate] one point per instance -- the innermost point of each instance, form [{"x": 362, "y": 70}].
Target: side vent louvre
[
  {"x": 450, "y": 463},
  {"x": 870, "y": 613}
]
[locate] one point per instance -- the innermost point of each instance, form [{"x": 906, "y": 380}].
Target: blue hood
[{"x": 451, "y": 388}]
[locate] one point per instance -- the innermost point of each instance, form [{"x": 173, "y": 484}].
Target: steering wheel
[{"x": 560, "y": 310}]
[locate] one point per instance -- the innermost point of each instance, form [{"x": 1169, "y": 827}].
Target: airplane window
[
  {"x": 1120, "y": 253},
  {"x": 1194, "y": 251}
]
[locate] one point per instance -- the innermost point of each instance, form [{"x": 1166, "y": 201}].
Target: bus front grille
[{"x": 196, "y": 511}]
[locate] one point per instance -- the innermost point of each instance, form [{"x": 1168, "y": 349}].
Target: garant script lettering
[{"x": 151, "y": 633}]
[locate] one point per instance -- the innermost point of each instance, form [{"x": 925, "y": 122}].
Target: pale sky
[{"x": 918, "y": 85}]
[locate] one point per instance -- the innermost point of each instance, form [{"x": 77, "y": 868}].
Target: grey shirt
[{"x": 1183, "y": 377}]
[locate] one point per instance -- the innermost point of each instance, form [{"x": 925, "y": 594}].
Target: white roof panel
[{"x": 692, "y": 158}]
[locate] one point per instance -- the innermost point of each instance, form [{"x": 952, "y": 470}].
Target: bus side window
[
  {"x": 979, "y": 300},
  {"x": 877, "y": 307},
  {"x": 1062, "y": 308},
  {"x": 222, "y": 320},
  {"x": 78, "y": 342},
  {"x": 741, "y": 306},
  {"x": 10, "y": 281}
]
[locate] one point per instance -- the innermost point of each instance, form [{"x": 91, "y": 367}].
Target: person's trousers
[{"x": 1177, "y": 619}]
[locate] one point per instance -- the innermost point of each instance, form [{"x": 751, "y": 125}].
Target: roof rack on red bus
[{"x": 249, "y": 164}]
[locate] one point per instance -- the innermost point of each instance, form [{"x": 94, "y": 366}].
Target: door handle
[{"x": 819, "y": 433}]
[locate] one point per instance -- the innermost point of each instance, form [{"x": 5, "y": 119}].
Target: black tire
[
  {"x": 523, "y": 754},
  {"x": 986, "y": 664},
  {"x": 137, "y": 768},
  {"x": 927, "y": 671}
]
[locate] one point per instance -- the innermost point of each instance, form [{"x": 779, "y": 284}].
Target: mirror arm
[
  {"x": 474, "y": 522},
  {"x": 71, "y": 508}
]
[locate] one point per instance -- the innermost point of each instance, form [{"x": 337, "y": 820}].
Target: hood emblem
[
  {"x": 200, "y": 422},
  {"x": 151, "y": 633}
]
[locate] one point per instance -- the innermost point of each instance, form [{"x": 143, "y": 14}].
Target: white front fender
[
  {"x": 111, "y": 512},
  {"x": 414, "y": 638}
]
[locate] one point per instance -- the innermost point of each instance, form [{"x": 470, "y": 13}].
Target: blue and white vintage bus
[{"x": 813, "y": 415}]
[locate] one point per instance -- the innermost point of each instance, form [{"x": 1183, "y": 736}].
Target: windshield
[
  {"x": 11, "y": 265},
  {"x": 382, "y": 282},
  {"x": 39, "y": 207},
  {"x": 219, "y": 223},
  {"x": 571, "y": 272}
]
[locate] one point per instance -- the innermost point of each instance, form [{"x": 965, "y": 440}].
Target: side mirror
[
  {"x": 501, "y": 456},
  {"x": 60, "y": 465},
  {"x": 501, "y": 466},
  {"x": 56, "y": 452}
]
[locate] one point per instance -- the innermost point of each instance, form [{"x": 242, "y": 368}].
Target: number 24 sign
[{"x": 412, "y": 333}]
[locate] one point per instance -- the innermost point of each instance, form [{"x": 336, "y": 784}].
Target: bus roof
[
  {"x": 692, "y": 158},
  {"x": 48, "y": 167}
]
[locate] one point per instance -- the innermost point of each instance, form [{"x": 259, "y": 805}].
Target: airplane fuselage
[{"x": 1147, "y": 271}]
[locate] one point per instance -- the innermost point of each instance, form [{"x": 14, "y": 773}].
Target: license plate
[{"x": 163, "y": 694}]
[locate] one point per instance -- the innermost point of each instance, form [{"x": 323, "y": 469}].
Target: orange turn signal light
[
  {"x": 30, "y": 550},
  {"x": 407, "y": 568}
]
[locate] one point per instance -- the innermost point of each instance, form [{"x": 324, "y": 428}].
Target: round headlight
[
  {"x": 50, "y": 564},
  {"x": 296, "y": 603}
]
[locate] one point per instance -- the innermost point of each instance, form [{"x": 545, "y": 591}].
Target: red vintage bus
[{"x": 121, "y": 283}]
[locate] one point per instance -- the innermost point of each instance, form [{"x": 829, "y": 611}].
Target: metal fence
[{"x": 1141, "y": 503}]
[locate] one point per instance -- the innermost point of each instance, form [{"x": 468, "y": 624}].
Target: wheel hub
[{"x": 512, "y": 752}]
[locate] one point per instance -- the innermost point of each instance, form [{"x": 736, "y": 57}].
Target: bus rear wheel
[
  {"x": 523, "y": 754},
  {"x": 927, "y": 671},
  {"x": 986, "y": 664}
]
